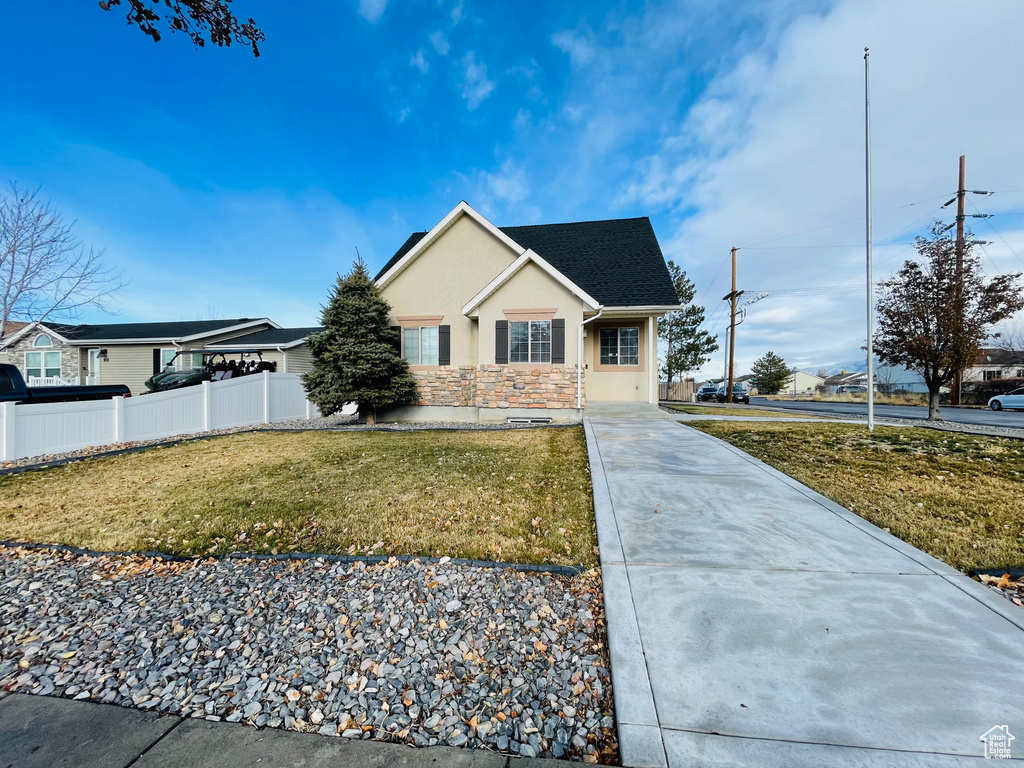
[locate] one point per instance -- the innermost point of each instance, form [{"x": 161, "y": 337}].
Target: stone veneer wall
[
  {"x": 68, "y": 358},
  {"x": 499, "y": 386}
]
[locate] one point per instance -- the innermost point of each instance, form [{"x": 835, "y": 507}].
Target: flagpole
[{"x": 870, "y": 285}]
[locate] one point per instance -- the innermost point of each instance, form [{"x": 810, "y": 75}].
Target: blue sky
[{"x": 232, "y": 186}]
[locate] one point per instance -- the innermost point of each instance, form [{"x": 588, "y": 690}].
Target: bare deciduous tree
[
  {"x": 45, "y": 271},
  {"x": 932, "y": 317}
]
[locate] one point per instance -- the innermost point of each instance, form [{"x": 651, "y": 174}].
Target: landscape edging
[{"x": 554, "y": 570}]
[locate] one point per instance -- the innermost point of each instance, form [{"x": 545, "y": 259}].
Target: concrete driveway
[{"x": 752, "y": 622}]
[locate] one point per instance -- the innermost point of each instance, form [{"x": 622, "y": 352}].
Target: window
[
  {"x": 197, "y": 360},
  {"x": 167, "y": 358},
  {"x": 529, "y": 342},
  {"x": 42, "y": 364},
  {"x": 1020, "y": 373},
  {"x": 620, "y": 346},
  {"x": 420, "y": 345},
  {"x": 992, "y": 375},
  {"x": 43, "y": 341}
]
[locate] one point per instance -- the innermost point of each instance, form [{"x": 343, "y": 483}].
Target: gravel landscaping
[{"x": 412, "y": 652}]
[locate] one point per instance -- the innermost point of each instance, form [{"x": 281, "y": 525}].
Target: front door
[{"x": 94, "y": 367}]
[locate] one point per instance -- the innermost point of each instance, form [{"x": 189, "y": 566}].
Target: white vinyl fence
[{"x": 35, "y": 430}]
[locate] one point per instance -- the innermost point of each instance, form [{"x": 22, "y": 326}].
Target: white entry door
[{"x": 94, "y": 367}]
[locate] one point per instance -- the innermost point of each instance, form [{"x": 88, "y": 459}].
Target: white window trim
[
  {"x": 529, "y": 343},
  {"x": 43, "y": 367},
  {"x": 419, "y": 341},
  {"x": 618, "y": 345}
]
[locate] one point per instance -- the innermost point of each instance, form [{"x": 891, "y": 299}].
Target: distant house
[
  {"x": 129, "y": 353},
  {"x": 991, "y": 364},
  {"x": 834, "y": 385},
  {"x": 801, "y": 383}
]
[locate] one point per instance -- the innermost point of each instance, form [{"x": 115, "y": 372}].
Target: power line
[
  {"x": 837, "y": 223},
  {"x": 1016, "y": 255}
]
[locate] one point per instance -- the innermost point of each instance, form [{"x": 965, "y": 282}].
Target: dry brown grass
[
  {"x": 512, "y": 495},
  {"x": 723, "y": 410},
  {"x": 956, "y": 496}
]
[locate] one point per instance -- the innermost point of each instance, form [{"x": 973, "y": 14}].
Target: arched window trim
[{"x": 40, "y": 338}]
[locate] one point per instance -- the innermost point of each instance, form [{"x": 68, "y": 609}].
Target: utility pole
[
  {"x": 867, "y": 218},
  {"x": 732, "y": 325},
  {"x": 961, "y": 195}
]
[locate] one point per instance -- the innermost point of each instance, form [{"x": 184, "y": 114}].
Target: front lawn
[
  {"x": 509, "y": 495},
  {"x": 958, "y": 497}
]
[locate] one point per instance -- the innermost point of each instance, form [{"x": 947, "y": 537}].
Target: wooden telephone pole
[
  {"x": 732, "y": 328},
  {"x": 961, "y": 194}
]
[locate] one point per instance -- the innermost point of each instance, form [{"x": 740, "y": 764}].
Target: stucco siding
[
  {"x": 606, "y": 383},
  {"x": 530, "y": 288},
  {"x": 442, "y": 279}
]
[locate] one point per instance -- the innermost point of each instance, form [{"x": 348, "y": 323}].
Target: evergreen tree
[
  {"x": 356, "y": 357},
  {"x": 689, "y": 347},
  {"x": 771, "y": 373}
]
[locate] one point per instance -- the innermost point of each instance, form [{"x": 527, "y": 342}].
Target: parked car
[
  {"x": 706, "y": 393},
  {"x": 1014, "y": 399},
  {"x": 216, "y": 366},
  {"x": 739, "y": 394},
  {"x": 852, "y": 389},
  {"x": 14, "y": 390}
]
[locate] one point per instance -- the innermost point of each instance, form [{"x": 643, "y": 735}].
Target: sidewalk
[
  {"x": 752, "y": 622},
  {"x": 50, "y": 732}
]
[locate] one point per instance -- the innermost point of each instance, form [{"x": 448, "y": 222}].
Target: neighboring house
[
  {"x": 801, "y": 383},
  {"x": 126, "y": 353},
  {"x": 992, "y": 364},
  {"x": 553, "y": 317}
]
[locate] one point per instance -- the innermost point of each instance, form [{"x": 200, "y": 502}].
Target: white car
[{"x": 1014, "y": 399}]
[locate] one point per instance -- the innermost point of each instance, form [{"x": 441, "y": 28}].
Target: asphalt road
[{"x": 985, "y": 417}]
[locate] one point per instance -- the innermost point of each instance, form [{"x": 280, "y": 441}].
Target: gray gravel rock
[{"x": 420, "y": 653}]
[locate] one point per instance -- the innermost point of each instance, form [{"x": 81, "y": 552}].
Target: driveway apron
[{"x": 753, "y": 622}]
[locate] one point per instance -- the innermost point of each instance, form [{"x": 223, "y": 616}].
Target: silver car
[{"x": 1014, "y": 399}]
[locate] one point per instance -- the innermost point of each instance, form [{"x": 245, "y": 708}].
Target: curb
[{"x": 553, "y": 570}]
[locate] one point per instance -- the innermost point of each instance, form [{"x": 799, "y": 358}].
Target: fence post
[
  {"x": 7, "y": 447},
  {"x": 207, "y": 419},
  {"x": 266, "y": 397},
  {"x": 119, "y": 419}
]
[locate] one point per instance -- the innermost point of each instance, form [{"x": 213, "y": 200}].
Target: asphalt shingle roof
[
  {"x": 617, "y": 261},
  {"x": 271, "y": 336},
  {"x": 174, "y": 330}
]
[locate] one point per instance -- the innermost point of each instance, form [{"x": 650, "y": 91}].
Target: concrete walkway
[
  {"x": 50, "y": 732},
  {"x": 752, "y": 622}
]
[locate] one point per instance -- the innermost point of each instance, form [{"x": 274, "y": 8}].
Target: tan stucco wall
[
  {"x": 530, "y": 288},
  {"x": 606, "y": 384},
  {"x": 447, "y": 275}
]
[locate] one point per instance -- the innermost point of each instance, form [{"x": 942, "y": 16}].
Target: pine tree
[
  {"x": 356, "y": 357},
  {"x": 771, "y": 373},
  {"x": 689, "y": 347}
]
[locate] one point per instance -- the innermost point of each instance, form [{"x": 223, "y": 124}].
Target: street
[{"x": 978, "y": 416}]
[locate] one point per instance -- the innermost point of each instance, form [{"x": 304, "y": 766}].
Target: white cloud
[
  {"x": 457, "y": 13},
  {"x": 404, "y": 115},
  {"x": 440, "y": 42},
  {"x": 419, "y": 61},
  {"x": 578, "y": 44},
  {"x": 372, "y": 10},
  {"x": 475, "y": 85},
  {"x": 774, "y": 145}
]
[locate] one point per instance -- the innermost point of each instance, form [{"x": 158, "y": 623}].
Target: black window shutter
[
  {"x": 501, "y": 342},
  {"x": 156, "y": 361},
  {"x": 558, "y": 341},
  {"x": 398, "y": 337},
  {"x": 444, "y": 345}
]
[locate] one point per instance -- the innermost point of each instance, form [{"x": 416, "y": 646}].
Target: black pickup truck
[{"x": 13, "y": 389}]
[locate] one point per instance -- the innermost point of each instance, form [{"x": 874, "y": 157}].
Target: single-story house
[
  {"x": 801, "y": 383},
  {"x": 285, "y": 346},
  {"x": 834, "y": 384},
  {"x": 991, "y": 364},
  {"x": 528, "y": 321},
  {"x": 129, "y": 353}
]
